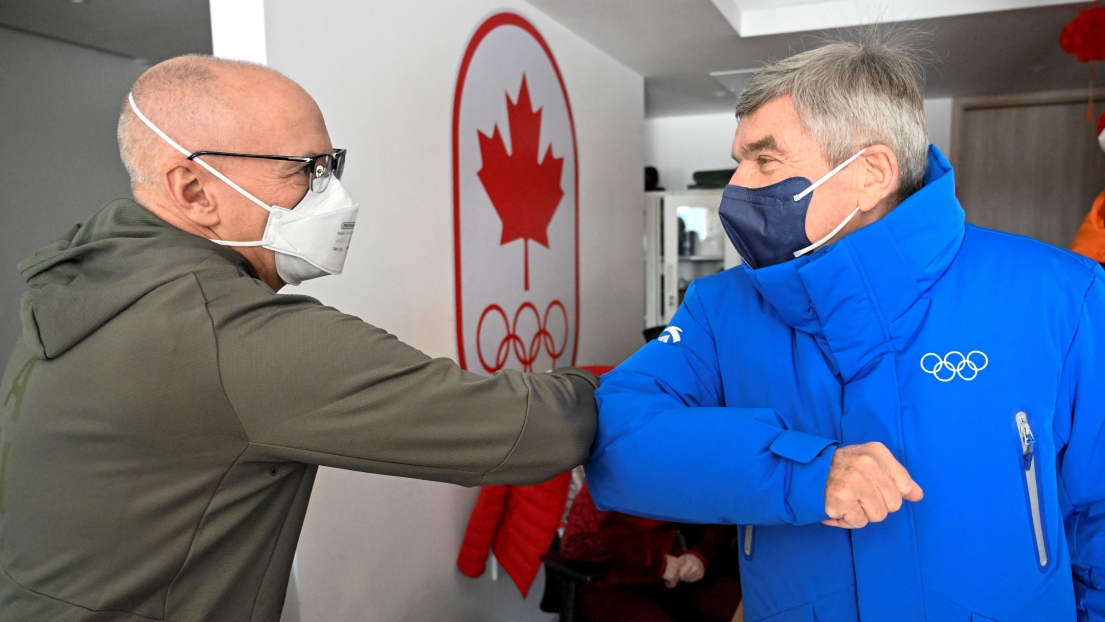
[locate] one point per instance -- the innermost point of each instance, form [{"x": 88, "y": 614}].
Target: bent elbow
[{"x": 556, "y": 437}]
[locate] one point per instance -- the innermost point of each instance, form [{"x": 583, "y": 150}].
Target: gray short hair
[{"x": 852, "y": 95}]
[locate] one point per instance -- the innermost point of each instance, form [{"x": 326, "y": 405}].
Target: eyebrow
[{"x": 767, "y": 143}]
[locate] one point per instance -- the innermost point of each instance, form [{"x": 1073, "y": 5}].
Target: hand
[
  {"x": 865, "y": 484},
  {"x": 672, "y": 568},
  {"x": 693, "y": 569}
]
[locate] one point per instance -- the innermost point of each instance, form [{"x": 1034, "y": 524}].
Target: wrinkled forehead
[{"x": 773, "y": 128}]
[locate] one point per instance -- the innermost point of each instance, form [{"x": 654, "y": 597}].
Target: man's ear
[
  {"x": 187, "y": 186},
  {"x": 878, "y": 176}
]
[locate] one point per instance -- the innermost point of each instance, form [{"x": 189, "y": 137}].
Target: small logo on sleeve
[
  {"x": 670, "y": 333},
  {"x": 953, "y": 364}
]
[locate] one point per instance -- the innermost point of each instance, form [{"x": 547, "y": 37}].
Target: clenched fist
[
  {"x": 865, "y": 484},
  {"x": 687, "y": 568}
]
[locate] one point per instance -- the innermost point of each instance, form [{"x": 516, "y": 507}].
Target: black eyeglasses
[{"x": 319, "y": 167}]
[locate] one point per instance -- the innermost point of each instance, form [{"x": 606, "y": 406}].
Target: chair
[{"x": 563, "y": 577}]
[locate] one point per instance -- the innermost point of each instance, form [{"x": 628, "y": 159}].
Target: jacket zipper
[
  {"x": 1028, "y": 449},
  {"x": 747, "y": 546}
]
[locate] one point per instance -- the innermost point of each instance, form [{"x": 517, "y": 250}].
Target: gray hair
[{"x": 851, "y": 95}]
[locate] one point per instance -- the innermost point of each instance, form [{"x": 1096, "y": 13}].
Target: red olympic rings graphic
[{"x": 527, "y": 355}]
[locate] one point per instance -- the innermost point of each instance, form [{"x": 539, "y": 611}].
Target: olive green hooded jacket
[{"x": 163, "y": 417}]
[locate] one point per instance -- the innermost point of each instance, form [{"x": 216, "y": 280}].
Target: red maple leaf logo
[{"x": 525, "y": 192}]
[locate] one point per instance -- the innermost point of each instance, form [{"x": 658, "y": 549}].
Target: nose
[{"x": 744, "y": 175}]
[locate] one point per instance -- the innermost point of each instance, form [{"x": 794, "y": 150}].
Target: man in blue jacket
[{"x": 872, "y": 344}]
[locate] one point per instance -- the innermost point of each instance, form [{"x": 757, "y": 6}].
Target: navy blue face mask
[{"x": 768, "y": 225}]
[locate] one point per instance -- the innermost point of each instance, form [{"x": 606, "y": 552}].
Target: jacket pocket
[
  {"x": 1030, "y": 477},
  {"x": 746, "y": 540}
]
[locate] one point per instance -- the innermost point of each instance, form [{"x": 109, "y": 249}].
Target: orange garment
[{"x": 1090, "y": 239}]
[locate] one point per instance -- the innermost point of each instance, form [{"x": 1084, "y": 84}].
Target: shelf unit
[{"x": 706, "y": 248}]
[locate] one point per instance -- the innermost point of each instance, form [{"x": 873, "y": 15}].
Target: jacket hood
[
  {"x": 98, "y": 269},
  {"x": 1090, "y": 239}
]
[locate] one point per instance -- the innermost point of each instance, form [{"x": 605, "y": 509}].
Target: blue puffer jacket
[{"x": 976, "y": 357}]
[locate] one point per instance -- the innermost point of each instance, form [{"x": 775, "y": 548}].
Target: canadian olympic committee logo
[
  {"x": 515, "y": 203},
  {"x": 946, "y": 368}
]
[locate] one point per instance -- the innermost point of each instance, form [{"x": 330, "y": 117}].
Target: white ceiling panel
[{"x": 753, "y": 18}]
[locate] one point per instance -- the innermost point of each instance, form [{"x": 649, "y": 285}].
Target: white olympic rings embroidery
[{"x": 953, "y": 364}]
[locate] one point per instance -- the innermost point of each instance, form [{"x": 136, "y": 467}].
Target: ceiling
[
  {"x": 146, "y": 30},
  {"x": 674, "y": 44}
]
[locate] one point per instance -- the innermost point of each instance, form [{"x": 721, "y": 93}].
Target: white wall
[
  {"x": 384, "y": 549},
  {"x": 678, "y": 146},
  {"x": 59, "y": 104},
  {"x": 938, "y": 117}
]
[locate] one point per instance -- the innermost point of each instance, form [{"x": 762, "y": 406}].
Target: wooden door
[{"x": 1027, "y": 164}]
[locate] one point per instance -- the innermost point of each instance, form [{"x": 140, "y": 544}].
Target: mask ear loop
[
  {"x": 175, "y": 145},
  {"x": 832, "y": 233},
  {"x": 801, "y": 195}
]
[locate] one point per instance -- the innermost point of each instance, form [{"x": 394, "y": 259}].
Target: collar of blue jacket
[{"x": 860, "y": 296}]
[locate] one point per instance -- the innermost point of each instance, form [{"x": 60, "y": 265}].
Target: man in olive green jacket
[{"x": 163, "y": 417}]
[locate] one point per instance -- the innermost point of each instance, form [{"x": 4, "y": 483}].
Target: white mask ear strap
[
  {"x": 228, "y": 243},
  {"x": 800, "y": 195},
  {"x": 175, "y": 145},
  {"x": 818, "y": 243}
]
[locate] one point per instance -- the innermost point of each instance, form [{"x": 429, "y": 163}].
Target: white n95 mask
[{"x": 310, "y": 240}]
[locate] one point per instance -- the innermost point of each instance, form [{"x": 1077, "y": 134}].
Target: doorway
[{"x": 1027, "y": 164}]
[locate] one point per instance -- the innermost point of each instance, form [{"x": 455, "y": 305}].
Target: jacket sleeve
[
  {"x": 1082, "y": 456},
  {"x": 310, "y": 384},
  {"x": 668, "y": 447}
]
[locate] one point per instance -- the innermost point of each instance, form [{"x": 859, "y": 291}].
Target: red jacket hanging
[{"x": 519, "y": 523}]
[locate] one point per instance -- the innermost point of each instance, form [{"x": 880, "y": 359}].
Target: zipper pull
[{"x": 1028, "y": 441}]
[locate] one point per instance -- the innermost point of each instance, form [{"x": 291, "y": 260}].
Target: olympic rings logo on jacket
[{"x": 953, "y": 364}]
